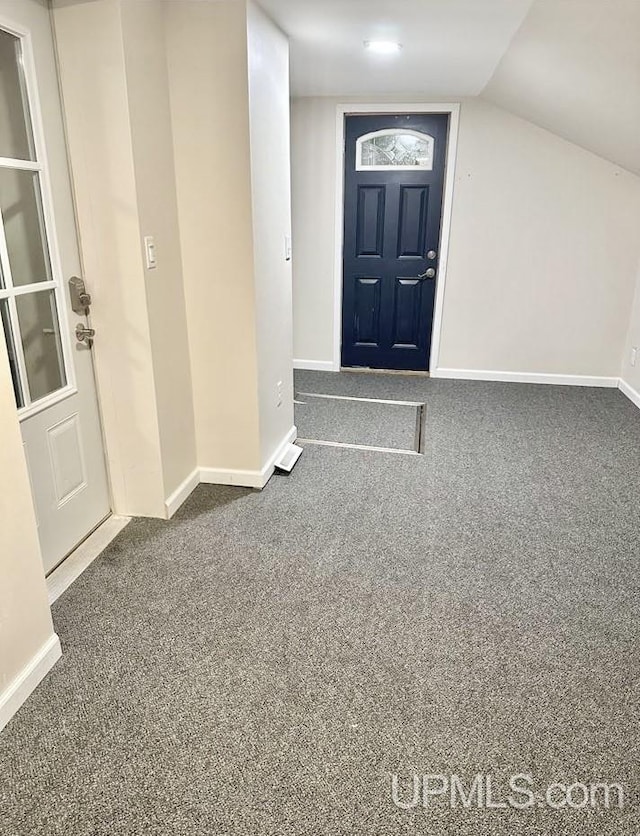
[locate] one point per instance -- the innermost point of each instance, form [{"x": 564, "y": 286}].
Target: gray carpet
[
  {"x": 367, "y": 423},
  {"x": 264, "y": 663}
]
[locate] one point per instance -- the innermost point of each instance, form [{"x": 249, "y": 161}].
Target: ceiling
[
  {"x": 450, "y": 47},
  {"x": 570, "y": 66},
  {"x": 574, "y": 68}
]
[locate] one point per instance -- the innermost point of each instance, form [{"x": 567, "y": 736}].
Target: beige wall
[
  {"x": 229, "y": 90},
  {"x": 543, "y": 251},
  {"x": 151, "y": 131},
  {"x": 94, "y": 84},
  {"x": 631, "y": 374},
  {"x": 207, "y": 56},
  {"x": 271, "y": 199},
  {"x": 25, "y": 620},
  {"x": 122, "y": 189}
]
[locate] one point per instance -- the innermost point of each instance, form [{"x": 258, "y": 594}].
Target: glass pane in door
[
  {"x": 40, "y": 336},
  {"x": 16, "y": 138},
  {"x": 21, "y": 207},
  {"x": 11, "y": 351}
]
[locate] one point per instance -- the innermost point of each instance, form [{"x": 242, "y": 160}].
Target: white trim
[
  {"x": 343, "y": 110},
  {"x": 20, "y": 165},
  {"x": 630, "y": 392},
  {"x": 316, "y": 365},
  {"x": 445, "y": 236},
  {"x": 48, "y": 401},
  {"x": 248, "y": 478},
  {"x": 238, "y": 478},
  {"x": 25, "y": 683},
  {"x": 182, "y": 493},
  {"x": 83, "y": 556},
  {"x": 526, "y": 377}
]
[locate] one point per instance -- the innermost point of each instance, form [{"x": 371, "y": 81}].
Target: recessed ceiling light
[{"x": 383, "y": 47}]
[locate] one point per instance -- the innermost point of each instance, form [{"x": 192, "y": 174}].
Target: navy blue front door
[{"x": 394, "y": 183}]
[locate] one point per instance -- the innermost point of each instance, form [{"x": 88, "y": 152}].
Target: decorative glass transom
[{"x": 393, "y": 149}]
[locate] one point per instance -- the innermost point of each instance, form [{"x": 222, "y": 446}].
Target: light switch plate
[{"x": 150, "y": 252}]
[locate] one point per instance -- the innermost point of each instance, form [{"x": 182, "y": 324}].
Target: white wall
[
  {"x": 574, "y": 68},
  {"x": 313, "y": 196},
  {"x": 543, "y": 251},
  {"x": 271, "y": 198},
  {"x": 631, "y": 374}
]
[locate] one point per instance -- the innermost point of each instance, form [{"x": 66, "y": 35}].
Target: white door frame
[{"x": 344, "y": 110}]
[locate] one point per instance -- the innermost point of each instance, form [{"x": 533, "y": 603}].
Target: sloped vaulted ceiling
[
  {"x": 573, "y": 67},
  {"x": 451, "y": 47}
]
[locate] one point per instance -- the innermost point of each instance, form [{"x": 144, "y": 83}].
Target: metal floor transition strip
[
  {"x": 398, "y": 451},
  {"x": 419, "y": 436}
]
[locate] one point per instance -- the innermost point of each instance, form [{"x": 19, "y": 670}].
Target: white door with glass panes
[{"x": 52, "y": 369}]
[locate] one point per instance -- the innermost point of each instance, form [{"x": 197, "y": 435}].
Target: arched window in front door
[{"x": 395, "y": 149}]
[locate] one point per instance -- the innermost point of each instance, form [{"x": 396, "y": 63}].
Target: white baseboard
[
  {"x": 25, "y": 683},
  {"x": 268, "y": 470},
  {"x": 239, "y": 478},
  {"x": 182, "y": 493},
  {"x": 315, "y": 365},
  {"x": 83, "y": 556},
  {"x": 527, "y": 377},
  {"x": 630, "y": 392},
  {"x": 247, "y": 478}
]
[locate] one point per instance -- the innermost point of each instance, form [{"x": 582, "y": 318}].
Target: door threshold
[
  {"x": 366, "y": 370},
  {"x": 83, "y": 556}
]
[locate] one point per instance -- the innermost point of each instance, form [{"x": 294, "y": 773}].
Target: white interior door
[{"x": 52, "y": 371}]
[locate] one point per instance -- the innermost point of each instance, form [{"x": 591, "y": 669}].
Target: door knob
[
  {"x": 428, "y": 274},
  {"x": 84, "y": 335}
]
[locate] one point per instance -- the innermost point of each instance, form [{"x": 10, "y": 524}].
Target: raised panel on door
[
  {"x": 370, "y": 221},
  {"x": 366, "y": 324},
  {"x": 412, "y": 223},
  {"x": 407, "y": 310}
]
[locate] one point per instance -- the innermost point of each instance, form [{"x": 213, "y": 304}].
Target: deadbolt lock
[
  {"x": 431, "y": 255},
  {"x": 80, "y": 299}
]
